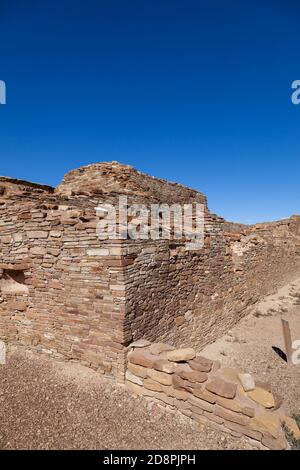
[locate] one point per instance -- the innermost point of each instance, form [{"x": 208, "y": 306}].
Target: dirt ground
[
  {"x": 248, "y": 345},
  {"x": 62, "y": 405},
  {"x": 50, "y": 405}
]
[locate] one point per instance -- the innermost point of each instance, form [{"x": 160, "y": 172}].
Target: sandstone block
[
  {"x": 275, "y": 444},
  {"x": 159, "y": 396},
  {"x": 229, "y": 404},
  {"x": 97, "y": 252},
  {"x": 248, "y": 411},
  {"x": 55, "y": 233},
  {"x": 266, "y": 422},
  {"x": 247, "y": 382},
  {"x": 231, "y": 416},
  {"x": 262, "y": 397},
  {"x": 38, "y": 250},
  {"x": 173, "y": 392},
  {"x": 140, "y": 343},
  {"x": 134, "y": 388},
  {"x": 152, "y": 385},
  {"x": 133, "y": 378},
  {"x": 142, "y": 358},
  {"x": 18, "y": 305},
  {"x": 229, "y": 373},
  {"x": 137, "y": 370},
  {"x": 221, "y": 387},
  {"x": 180, "y": 384},
  {"x": 205, "y": 395},
  {"x": 164, "y": 365},
  {"x": 187, "y": 373},
  {"x": 244, "y": 430},
  {"x": 204, "y": 405},
  {"x": 37, "y": 234},
  {"x": 213, "y": 417},
  {"x": 178, "y": 355},
  {"x": 161, "y": 377},
  {"x": 201, "y": 364},
  {"x": 158, "y": 348}
]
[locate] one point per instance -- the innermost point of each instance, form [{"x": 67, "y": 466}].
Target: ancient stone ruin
[
  {"x": 199, "y": 388},
  {"x": 68, "y": 294}
]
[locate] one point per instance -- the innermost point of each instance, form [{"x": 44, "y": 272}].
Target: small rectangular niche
[{"x": 12, "y": 281}]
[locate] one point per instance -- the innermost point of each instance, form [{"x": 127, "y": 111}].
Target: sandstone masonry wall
[
  {"x": 181, "y": 381},
  {"x": 65, "y": 293},
  {"x": 62, "y": 294},
  {"x": 190, "y": 298}
]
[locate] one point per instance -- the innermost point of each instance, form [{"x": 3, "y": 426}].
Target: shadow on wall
[{"x": 12, "y": 282}]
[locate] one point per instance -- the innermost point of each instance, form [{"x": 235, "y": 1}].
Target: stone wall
[
  {"x": 61, "y": 293},
  {"x": 65, "y": 293},
  {"x": 113, "y": 178},
  {"x": 190, "y": 298},
  {"x": 226, "y": 398}
]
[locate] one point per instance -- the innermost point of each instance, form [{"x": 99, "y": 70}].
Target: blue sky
[{"x": 193, "y": 91}]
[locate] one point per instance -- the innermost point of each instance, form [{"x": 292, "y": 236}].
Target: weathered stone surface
[
  {"x": 221, "y": 387},
  {"x": 247, "y": 382},
  {"x": 158, "y": 348},
  {"x": 141, "y": 343},
  {"x": 229, "y": 404},
  {"x": 231, "y": 415},
  {"x": 246, "y": 430},
  {"x": 262, "y": 397},
  {"x": 187, "y": 373},
  {"x": 179, "y": 355},
  {"x": 164, "y": 365},
  {"x": 134, "y": 388},
  {"x": 137, "y": 370},
  {"x": 213, "y": 417},
  {"x": 97, "y": 252},
  {"x": 18, "y": 305},
  {"x": 229, "y": 373},
  {"x": 275, "y": 444},
  {"x": 266, "y": 422},
  {"x": 142, "y": 358},
  {"x": 178, "y": 394},
  {"x": 204, "y": 395},
  {"x": 201, "y": 364},
  {"x": 162, "y": 397},
  {"x": 181, "y": 384},
  {"x": 133, "y": 378},
  {"x": 37, "y": 234},
  {"x": 204, "y": 405},
  {"x": 161, "y": 377},
  {"x": 179, "y": 320},
  {"x": 152, "y": 385}
]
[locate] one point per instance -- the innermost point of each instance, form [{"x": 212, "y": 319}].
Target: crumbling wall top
[
  {"x": 115, "y": 178},
  {"x": 13, "y": 186}
]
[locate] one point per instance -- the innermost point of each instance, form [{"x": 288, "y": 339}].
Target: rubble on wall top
[
  {"x": 117, "y": 178},
  {"x": 15, "y": 181}
]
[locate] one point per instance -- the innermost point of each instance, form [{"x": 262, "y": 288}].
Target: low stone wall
[{"x": 199, "y": 388}]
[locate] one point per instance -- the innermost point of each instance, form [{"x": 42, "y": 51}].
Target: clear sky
[{"x": 195, "y": 91}]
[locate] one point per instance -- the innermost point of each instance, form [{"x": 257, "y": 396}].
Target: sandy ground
[
  {"x": 248, "y": 345},
  {"x": 50, "y": 405}
]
